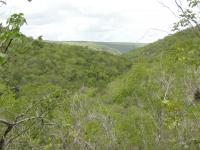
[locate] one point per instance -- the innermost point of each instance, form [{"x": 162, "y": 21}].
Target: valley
[{"x": 86, "y": 95}]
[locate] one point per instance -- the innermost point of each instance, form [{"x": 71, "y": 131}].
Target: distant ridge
[{"x": 112, "y": 47}]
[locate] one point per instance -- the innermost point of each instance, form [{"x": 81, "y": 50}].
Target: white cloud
[{"x": 96, "y": 20}]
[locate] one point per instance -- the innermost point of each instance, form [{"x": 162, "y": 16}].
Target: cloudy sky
[{"x": 94, "y": 20}]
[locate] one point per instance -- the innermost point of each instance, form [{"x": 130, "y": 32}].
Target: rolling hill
[{"x": 112, "y": 47}]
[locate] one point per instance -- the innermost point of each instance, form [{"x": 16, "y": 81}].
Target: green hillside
[
  {"x": 56, "y": 95},
  {"x": 84, "y": 95},
  {"x": 157, "y": 99},
  {"x": 112, "y": 47},
  {"x": 67, "y": 66},
  {"x": 96, "y": 100},
  {"x": 44, "y": 79}
]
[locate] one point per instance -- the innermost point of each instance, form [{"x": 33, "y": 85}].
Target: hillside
[
  {"x": 151, "y": 106},
  {"x": 90, "y": 95},
  {"x": 112, "y": 47},
  {"x": 37, "y": 63},
  {"x": 157, "y": 98},
  {"x": 144, "y": 99}
]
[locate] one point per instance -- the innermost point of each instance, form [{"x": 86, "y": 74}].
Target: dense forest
[{"x": 59, "y": 96}]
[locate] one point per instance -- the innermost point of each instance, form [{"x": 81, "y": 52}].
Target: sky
[{"x": 142, "y": 21}]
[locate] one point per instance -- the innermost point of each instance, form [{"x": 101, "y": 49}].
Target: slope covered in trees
[
  {"x": 150, "y": 106},
  {"x": 59, "y": 96},
  {"x": 161, "y": 90},
  {"x": 38, "y": 72},
  {"x": 36, "y": 63}
]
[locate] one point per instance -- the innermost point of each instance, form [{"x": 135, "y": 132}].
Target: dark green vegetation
[
  {"x": 96, "y": 101},
  {"x": 112, "y": 47}
]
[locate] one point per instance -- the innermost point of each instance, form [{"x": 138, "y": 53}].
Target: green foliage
[
  {"x": 59, "y": 96},
  {"x": 70, "y": 67},
  {"x": 188, "y": 16},
  {"x": 45, "y": 76},
  {"x": 97, "y": 102},
  {"x": 162, "y": 82},
  {"x": 12, "y": 28},
  {"x": 9, "y": 33}
]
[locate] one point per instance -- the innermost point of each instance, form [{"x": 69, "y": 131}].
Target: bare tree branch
[
  {"x": 10, "y": 126},
  {"x": 164, "y": 5},
  {"x": 28, "y": 119},
  {"x": 7, "y": 123},
  {"x": 192, "y": 22},
  {"x": 8, "y": 45}
]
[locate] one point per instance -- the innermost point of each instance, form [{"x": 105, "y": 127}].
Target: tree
[
  {"x": 188, "y": 16},
  {"x": 30, "y": 112},
  {"x": 10, "y": 32}
]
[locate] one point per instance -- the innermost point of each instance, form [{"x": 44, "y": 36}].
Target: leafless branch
[
  {"x": 179, "y": 6},
  {"x": 18, "y": 135},
  {"x": 8, "y": 45},
  {"x": 164, "y": 5},
  {"x": 193, "y": 23},
  {"x": 5, "y": 122},
  {"x": 10, "y": 125}
]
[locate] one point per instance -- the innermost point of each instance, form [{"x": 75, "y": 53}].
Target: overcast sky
[{"x": 94, "y": 20}]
